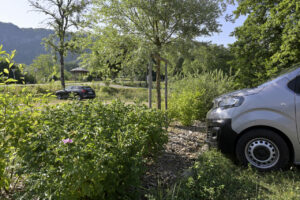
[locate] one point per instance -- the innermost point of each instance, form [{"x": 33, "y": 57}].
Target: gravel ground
[{"x": 184, "y": 146}]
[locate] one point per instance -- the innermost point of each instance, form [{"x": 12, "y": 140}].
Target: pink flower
[{"x": 68, "y": 140}]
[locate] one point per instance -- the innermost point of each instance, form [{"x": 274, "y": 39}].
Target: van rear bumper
[{"x": 221, "y": 135}]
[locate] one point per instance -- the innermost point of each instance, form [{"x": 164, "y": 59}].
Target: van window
[{"x": 294, "y": 85}]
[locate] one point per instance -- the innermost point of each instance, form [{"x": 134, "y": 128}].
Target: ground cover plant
[{"x": 215, "y": 177}]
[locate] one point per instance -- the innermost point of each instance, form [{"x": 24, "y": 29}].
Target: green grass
[
  {"x": 215, "y": 177},
  {"x": 138, "y": 95},
  {"x": 103, "y": 93}
]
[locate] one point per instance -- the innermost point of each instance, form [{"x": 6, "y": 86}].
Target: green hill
[{"x": 26, "y": 41}]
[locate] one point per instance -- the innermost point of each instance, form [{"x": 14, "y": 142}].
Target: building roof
[{"x": 79, "y": 69}]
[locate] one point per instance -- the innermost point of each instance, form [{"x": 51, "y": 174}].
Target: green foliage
[
  {"x": 104, "y": 159},
  {"x": 129, "y": 95},
  {"x": 18, "y": 114},
  {"x": 192, "y": 96},
  {"x": 268, "y": 41},
  {"x": 215, "y": 177},
  {"x": 17, "y": 117},
  {"x": 190, "y": 57},
  {"x": 111, "y": 52},
  {"x": 9, "y": 71},
  {"x": 12, "y": 72},
  {"x": 109, "y": 90},
  {"x": 159, "y": 22},
  {"x": 44, "y": 68}
]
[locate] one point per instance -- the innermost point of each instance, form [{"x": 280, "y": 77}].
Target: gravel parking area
[{"x": 184, "y": 146}]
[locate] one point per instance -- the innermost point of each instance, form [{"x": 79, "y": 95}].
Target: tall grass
[
  {"x": 216, "y": 177},
  {"x": 191, "y": 97}
]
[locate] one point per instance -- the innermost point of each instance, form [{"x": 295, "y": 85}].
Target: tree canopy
[
  {"x": 44, "y": 68},
  {"x": 268, "y": 41},
  {"x": 158, "y": 23}
]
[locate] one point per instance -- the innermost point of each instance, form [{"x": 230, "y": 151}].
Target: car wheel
[
  {"x": 78, "y": 97},
  {"x": 59, "y": 97},
  {"x": 66, "y": 96},
  {"x": 263, "y": 149}
]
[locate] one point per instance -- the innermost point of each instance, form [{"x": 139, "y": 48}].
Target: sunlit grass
[{"x": 216, "y": 177}]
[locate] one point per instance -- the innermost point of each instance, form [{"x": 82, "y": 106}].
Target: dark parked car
[{"x": 79, "y": 92}]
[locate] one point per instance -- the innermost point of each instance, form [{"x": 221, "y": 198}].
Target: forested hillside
[{"x": 27, "y": 41}]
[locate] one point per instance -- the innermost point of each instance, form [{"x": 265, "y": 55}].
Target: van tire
[{"x": 263, "y": 149}]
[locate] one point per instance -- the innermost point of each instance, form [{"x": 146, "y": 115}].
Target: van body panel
[{"x": 273, "y": 104}]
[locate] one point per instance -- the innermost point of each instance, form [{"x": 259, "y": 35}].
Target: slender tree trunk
[
  {"x": 62, "y": 70},
  {"x": 158, "y": 84},
  {"x": 166, "y": 85},
  {"x": 150, "y": 83}
]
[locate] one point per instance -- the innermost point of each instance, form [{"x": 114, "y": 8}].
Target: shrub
[
  {"x": 191, "y": 97},
  {"x": 91, "y": 151},
  {"x": 215, "y": 177},
  {"x": 18, "y": 116}
]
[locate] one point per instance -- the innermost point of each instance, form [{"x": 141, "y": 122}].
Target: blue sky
[{"x": 20, "y": 13}]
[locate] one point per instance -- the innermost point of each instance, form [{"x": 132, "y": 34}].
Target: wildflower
[{"x": 68, "y": 140}]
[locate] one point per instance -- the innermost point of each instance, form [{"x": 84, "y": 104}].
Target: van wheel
[{"x": 264, "y": 149}]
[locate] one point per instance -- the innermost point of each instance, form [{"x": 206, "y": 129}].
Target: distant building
[{"x": 79, "y": 72}]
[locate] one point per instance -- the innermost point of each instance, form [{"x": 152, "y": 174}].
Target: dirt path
[{"x": 184, "y": 146}]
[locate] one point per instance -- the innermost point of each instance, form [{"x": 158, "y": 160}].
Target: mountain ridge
[{"x": 26, "y": 41}]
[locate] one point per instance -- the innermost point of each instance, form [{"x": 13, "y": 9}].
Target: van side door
[{"x": 295, "y": 86}]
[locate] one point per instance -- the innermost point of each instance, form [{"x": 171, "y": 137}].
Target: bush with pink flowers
[{"x": 90, "y": 150}]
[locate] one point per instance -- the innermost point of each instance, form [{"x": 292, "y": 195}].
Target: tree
[
  {"x": 193, "y": 57},
  {"x": 159, "y": 22},
  {"x": 63, "y": 15},
  {"x": 43, "y": 67},
  {"x": 268, "y": 41},
  {"x": 113, "y": 54}
]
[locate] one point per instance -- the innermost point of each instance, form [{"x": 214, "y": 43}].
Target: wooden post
[
  {"x": 166, "y": 85},
  {"x": 150, "y": 84}
]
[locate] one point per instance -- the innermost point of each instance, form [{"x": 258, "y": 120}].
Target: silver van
[{"x": 260, "y": 126}]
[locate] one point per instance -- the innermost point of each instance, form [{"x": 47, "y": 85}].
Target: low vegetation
[
  {"x": 214, "y": 176},
  {"x": 58, "y": 149},
  {"x": 76, "y": 150},
  {"x": 192, "y": 96}
]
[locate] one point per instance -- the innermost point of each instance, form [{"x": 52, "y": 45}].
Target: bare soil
[{"x": 184, "y": 146}]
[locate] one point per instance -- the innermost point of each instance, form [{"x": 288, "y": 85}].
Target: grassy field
[{"x": 104, "y": 92}]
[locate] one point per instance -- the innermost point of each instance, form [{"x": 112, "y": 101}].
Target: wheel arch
[{"x": 278, "y": 132}]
